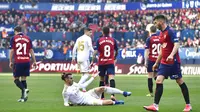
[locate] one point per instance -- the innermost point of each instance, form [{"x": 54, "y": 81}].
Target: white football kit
[
  {"x": 75, "y": 96},
  {"x": 82, "y": 48}
]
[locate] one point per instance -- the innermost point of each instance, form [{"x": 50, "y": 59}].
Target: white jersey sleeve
[{"x": 65, "y": 96}]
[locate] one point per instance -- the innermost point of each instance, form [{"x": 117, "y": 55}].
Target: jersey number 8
[{"x": 107, "y": 51}]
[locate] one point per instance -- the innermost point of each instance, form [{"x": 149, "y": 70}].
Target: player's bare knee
[
  {"x": 179, "y": 81},
  {"x": 150, "y": 75},
  {"x": 160, "y": 79},
  {"x": 111, "y": 77}
]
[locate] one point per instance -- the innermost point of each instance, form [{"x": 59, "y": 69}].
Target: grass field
[{"x": 45, "y": 95}]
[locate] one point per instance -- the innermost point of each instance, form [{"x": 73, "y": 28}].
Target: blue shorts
[
  {"x": 106, "y": 69},
  {"x": 21, "y": 69},
  {"x": 174, "y": 71},
  {"x": 150, "y": 66}
]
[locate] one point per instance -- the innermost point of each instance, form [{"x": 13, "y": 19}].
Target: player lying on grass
[{"x": 71, "y": 92}]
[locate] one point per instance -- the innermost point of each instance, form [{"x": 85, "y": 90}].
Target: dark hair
[
  {"x": 160, "y": 17},
  {"x": 65, "y": 75},
  {"x": 87, "y": 29},
  {"x": 18, "y": 29},
  {"x": 153, "y": 29},
  {"x": 106, "y": 31}
]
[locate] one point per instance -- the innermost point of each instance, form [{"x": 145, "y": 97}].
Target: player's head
[
  {"x": 160, "y": 21},
  {"x": 17, "y": 29},
  {"x": 148, "y": 29},
  {"x": 153, "y": 29},
  {"x": 88, "y": 31},
  {"x": 106, "y": 31},
  {"x": 68, "y": 78}
]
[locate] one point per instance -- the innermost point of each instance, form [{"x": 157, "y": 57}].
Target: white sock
[
  {"x": 111, "y": 90},
  {"x": 84, "y": 77}
]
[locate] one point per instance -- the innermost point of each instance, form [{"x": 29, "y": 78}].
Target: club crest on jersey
[{"x": 164, "y": 45}]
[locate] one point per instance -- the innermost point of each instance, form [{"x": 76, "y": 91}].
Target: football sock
[
  {"x": 185, "y": 93},
  {"x": 106, "y": 79},
  {"x": 150, "y": 85},
  {"x": 112, "y": 84},
  {"x": 19, "y": 84},
  {"x": 158, "y": 94},
  {"x": 101, "y": 83},
  {"x": 24, "y": 83},
  {"x": 113, "y": 90}
]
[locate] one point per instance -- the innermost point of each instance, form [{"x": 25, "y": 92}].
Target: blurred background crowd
[{"x": 186, "y": 23}]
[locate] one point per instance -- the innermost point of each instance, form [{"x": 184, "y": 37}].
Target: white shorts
[
  {"x": 84, "y": 66},
  {"x": 93, "y": 98}
]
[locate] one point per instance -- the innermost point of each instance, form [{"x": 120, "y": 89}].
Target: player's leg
[
  {"x": 182, "y": 85},
  {"x": 99, "y": 90},
  {"x": 106, "y": 80},
  {"x": 163, "y": 72},
  {"x": 84, "y": 69},
  {"x": 151, "y": 75},
  {"x": 26, "y": 91},
  {"x": 17, "y": 72},
  {"x": 150, "y": 84},
  {"x": 102, "y": 72},
  {"x": 110, "y": 102},
  {"x": 111, "y": 73}
]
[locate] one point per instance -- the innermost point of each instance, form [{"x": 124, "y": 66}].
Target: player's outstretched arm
[
  {"x": 85, "y": 84},
  {"x": 11, "y": 56}
]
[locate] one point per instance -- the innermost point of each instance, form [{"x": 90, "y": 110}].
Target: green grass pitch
[{"x": 45, "y": 95}]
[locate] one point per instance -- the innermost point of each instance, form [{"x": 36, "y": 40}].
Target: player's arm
[
  {"x": 116, "y": 49},
  {"x": 94, "y": 55},
  {"x": 95, "y": 51},
  {"x": 66, "y": 99},
  {"x": 32, "y": 55},
  {"x": 11, "y": 57},
  {"x": 90, "y": 45},
  {"x": 74, "y": 52},
  {"x": 146, "y": 53},
  {"x": 85, "y": 84},
  {"x": 159, "y": 56},
  {"x": 11, "y": 53},
  {"x": 174, "y": 39},
  {"x": 175, "y": 48},
  {"x": 146, "y": 56}
]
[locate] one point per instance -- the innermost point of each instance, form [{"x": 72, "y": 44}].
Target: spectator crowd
[{"x": 186, "y": 23}]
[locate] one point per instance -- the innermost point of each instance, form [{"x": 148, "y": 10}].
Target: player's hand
[
  {"x": 155, "y": 66},
  {"x": 73, "y": 61},
  {"x": 34, "y": 65},
  {"x": 170, "y": 58},
  {"x": 11, "y": 65},
  {"x": 94, "y": 75}
]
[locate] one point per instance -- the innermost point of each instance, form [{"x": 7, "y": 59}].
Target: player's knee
[
  {"x": 179, "y": 81},
  {"x": 159, "y": 81},
  {"x": 111, "y": 77}
]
